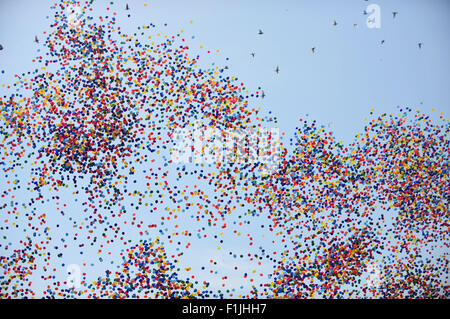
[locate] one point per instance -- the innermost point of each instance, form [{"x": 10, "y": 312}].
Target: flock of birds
[{"x": 313, "y": 49}]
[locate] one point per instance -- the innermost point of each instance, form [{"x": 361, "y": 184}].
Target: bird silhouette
[
  {"x": 277, "y": 69},
  {"x": 1, "y": 47},
  {"x": 260, "y": 32},
  {"x": 420, "y": 45}
]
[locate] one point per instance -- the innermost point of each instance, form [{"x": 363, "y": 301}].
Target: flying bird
[
  {"x": 394, "y": 14},
  {"x": 260, "y": 32},
  {"x": 36, "y": 39},
  {"x": 420, "y": 45},
  {"x": 277, "y": 69}
]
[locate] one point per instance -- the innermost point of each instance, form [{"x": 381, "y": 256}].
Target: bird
[
  {"x": 277, "y": 69},
  {"x": 313, "y": 49},
  {"x": 127, "y": 7},
  {"x": 335, "y": 23},
  {"x": 420, "y": 45},
  {"x": 394, "y": 14},
  {"x": 260, "y": 32},
  {"x": 36, "y": 39},
  {"x": 1, "y": 47},
  {"x": 263, "y": 94},
  {"x": 252, "y": 54},
  {"x": 382, "y": 42}
]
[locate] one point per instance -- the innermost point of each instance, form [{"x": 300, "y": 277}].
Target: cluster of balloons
[{"x": 86, "y": 143}]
